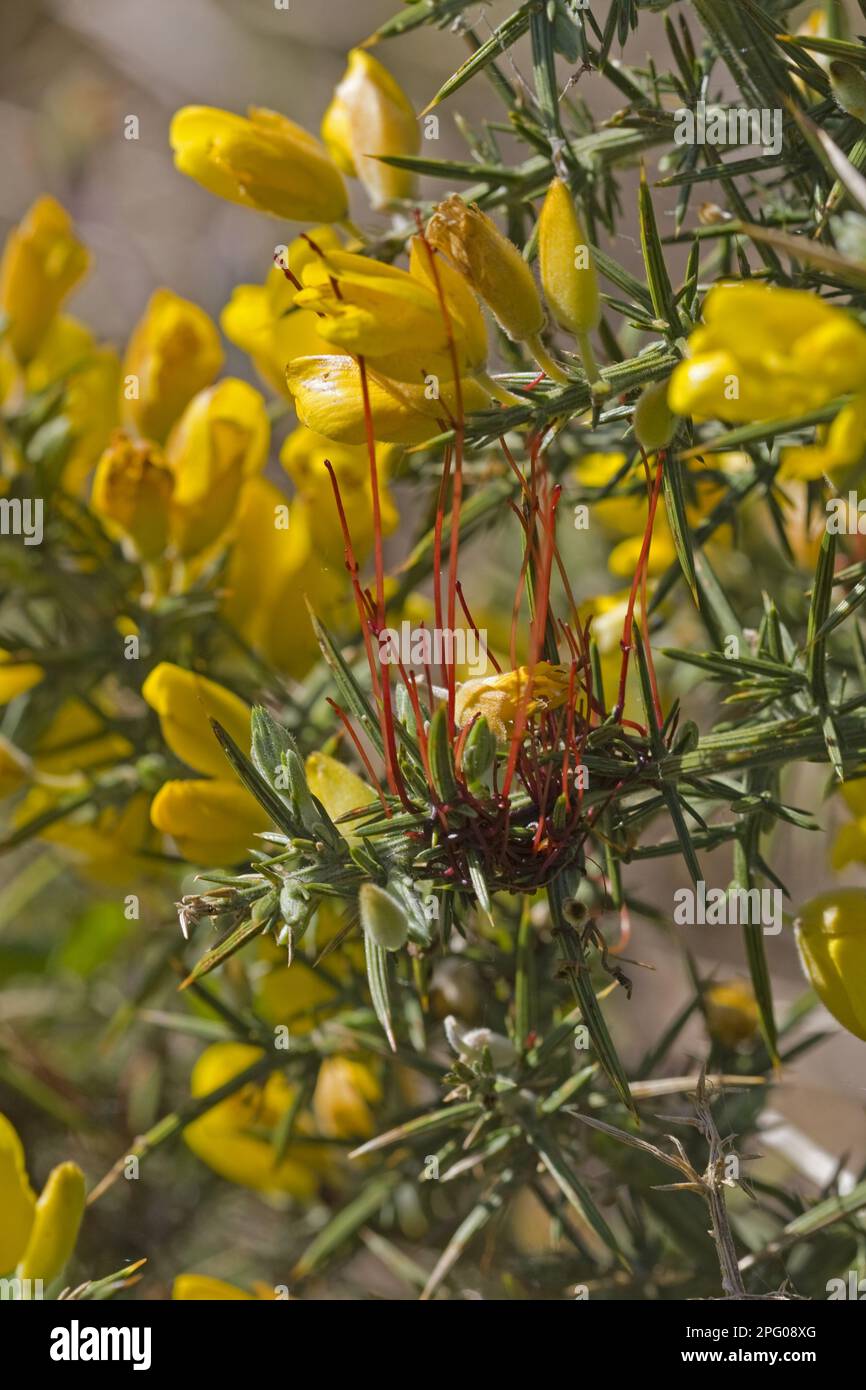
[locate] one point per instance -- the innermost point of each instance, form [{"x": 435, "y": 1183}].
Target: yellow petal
[
  {"x": 17, "y": 1198},
  {"x": 186, "y": 703},
  {"x": 56, "y": 1223},
  {"x": 212, "y": 822}
]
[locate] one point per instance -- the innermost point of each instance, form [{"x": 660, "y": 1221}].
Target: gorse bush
[{"x": 557, "y": 594}]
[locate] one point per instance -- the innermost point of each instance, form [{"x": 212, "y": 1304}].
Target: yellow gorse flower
[
  {"x": 42, "y": 261},
  {"x": 236, "y": 1137},
  {"x": 370, "y": 115},
  {"x": 731, "y": 1012},
  {"x": 765, "y": 352},
  {"x": 303, "y": 456},
  {"x": 37, "y": 1237},
  {"x": 273, "y": 568},
  {"x": 204, "y": 1288},
  {"x": 344, "y": 1099},
  {"x": 173, "y": 353},
  {"x": 329, "y": 400},
  {"x": 212, "y": 821},
  {"x": 498, "y": 698},
  {"x": 90, "y": 373},
  {"x": 831, "y": 935},
  {"x": 391, "y": 317},
  {"x": 17, "y": 677},
  {"x": 219, "y": 442},
  {"x": 185, "y": 703},
  {"x": 264, "y": 321},
  {"x": 261, "y": 160},
  {"x": 132, "y": 490}
]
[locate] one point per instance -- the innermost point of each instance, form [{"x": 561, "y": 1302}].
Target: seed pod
[{"x": 382, "y": 917}]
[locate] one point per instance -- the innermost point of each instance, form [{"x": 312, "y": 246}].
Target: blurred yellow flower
[
  {"x": 370, "y": 115},
  {"x": 14, "y": 767},
  {"x": 273, "y": 567},
  {"x": 42, "y": 261},
  {"x": 204, "y": 1288},
  {"x": 731, "y": 1012},
  {"x": 840, "y": 447},
  {"x": 344, "y": 1099},
  {"x": 219, "y": 442},
  {"x": 303, "y": 456},
  {"x": 339, "y": 789},
  {"x": 329, "y": 400},
  {"x": 37, "y": 1237},
  {"x": 831, "y": 935},
  {"x": 764, "y": 352},
  {"x": 90, "y": 374},
  {"x": 173, "y": 353},
  {"x": 16, "y": 678},
  {"x": 264, "y": 321},
  {"x": 236, "y": 1136},
  {"x": 132, "y": 490},
  {"x": 261, "y": 160}
]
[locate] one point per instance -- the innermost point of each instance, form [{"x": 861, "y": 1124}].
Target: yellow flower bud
[
  {"x": 174, "y": 352},
  {"x": 345, "y": 1093},
  {"x": 42, "y": 261},
  {"x": 56, "y": 1222},
  {"x": 132, "y": 490},
  {"x": 219, "y": 442},
  {"x": 654, "y": 422},
  {"x": 491, "y": 263},
  {"x": 370, "y": 115},
  {"x": 732, "y": 1012},
  {"x": 831, "y": 935},
  {"x": 568, "y": 275},
  {"x": 499, "y": 697},
  {"x": 262, "y": 161},
  {"x": 234, "y": 1136},
  {"x": 186, "y": 703},
  {"x": 329, "y": 400},
  {"x": 16, "y": 678},
  {"x": 263, "y": 320}
]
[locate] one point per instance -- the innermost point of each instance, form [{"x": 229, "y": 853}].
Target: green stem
[{"x": 546, "y": 362}]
